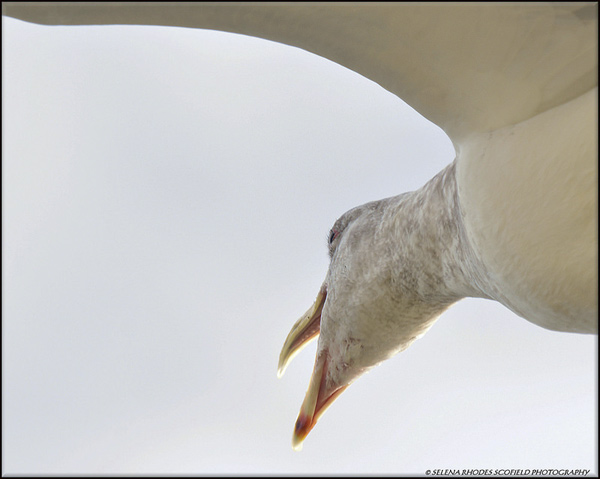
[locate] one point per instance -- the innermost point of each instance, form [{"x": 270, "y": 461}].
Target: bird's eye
[{"x": 332, "y": 235}]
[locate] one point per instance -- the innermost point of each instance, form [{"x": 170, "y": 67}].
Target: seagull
[{"x": 513, "y": 218}]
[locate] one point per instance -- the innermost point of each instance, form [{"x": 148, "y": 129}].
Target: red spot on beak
[{"x": 318, "y": 398}]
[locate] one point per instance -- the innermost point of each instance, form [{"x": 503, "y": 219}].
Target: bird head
[{"x": 370, "y": 306}]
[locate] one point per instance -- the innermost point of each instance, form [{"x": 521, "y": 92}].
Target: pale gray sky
[{"x": 167, "y": 194}]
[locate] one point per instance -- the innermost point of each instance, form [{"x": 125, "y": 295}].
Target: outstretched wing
[{"x": 467, "y": 67}]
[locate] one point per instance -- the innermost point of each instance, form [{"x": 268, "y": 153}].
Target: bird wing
[{"x": 467, "y": 67}]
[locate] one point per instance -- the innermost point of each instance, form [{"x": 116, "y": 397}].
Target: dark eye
[{"x": 332, "y": 235}]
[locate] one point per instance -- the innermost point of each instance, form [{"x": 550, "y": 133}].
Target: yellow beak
[
  {"x": 319, "y": 395},
  {"x": 303, "y": 332}
]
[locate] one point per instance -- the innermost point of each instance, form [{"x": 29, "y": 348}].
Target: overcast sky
[{"x": 166, "y": 198}]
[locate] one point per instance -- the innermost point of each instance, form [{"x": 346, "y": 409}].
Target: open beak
[{"x": 319, "y": 395}]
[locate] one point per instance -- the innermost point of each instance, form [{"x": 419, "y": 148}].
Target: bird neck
[{"x": 429, "y": 221}]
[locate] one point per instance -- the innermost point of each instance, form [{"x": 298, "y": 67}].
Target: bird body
[
  {"x": 512, "y": 218},
  {"x": 527, "y": 192}
]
